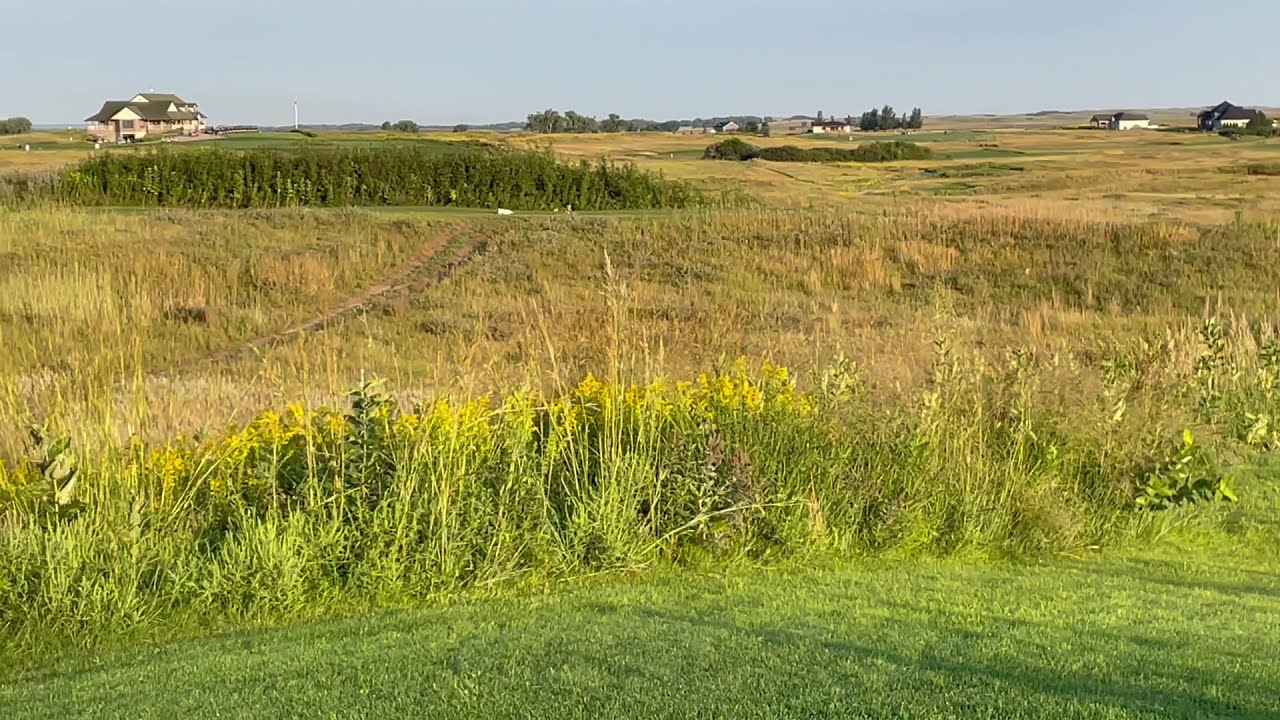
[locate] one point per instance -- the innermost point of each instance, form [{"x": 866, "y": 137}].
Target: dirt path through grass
[{"x": 414, "y": 275}]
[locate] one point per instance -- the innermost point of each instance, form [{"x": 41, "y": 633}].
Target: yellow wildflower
[
  {"x": 335, "y": 424},
  {"x": 169, "y": 464},
  {"x": 569, "y": 421},
  {"x": 726, "y": 392},
  {"x": 592, "y": 389},
  {"x": 406, "y": 424}
]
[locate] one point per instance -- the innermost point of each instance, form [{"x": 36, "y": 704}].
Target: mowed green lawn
[{"x": 1152, "y": 637}]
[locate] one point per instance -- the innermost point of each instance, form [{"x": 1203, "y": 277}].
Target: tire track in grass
[{"x": 411, "y": 276}]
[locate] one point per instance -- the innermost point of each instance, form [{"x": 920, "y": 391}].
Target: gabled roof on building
[
  {"x": 110, "y": 109},
  {"x": 1100, "y": 118},
  {"x": 154, "y": 110},
  {"x": 1129, "y": 116},
  {"x": 163, "y": 97},
  {"x": 1238, "y": 113},
  {"x": 1227, "y": 111},
  {"x": 157, "y": 107}
]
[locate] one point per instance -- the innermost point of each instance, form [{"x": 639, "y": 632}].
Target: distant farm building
[
  {"x": 146, "y": 114},
  {"x": 1129, "y": 121},
  {"x": 728, "y": 126},
  {"x": 794, "y": 126},
  {"x": 836, "y": 127},
  {"x": 1225, "y": 115},
  {"x": 1101, "y": 121},
  {"x": 691, "y": 130}
]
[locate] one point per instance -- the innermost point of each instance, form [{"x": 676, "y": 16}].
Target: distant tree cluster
[
  {"x": 15, "y": 126},
  {"x": 404, "y": 126},
  {"x": 887, "y": 119},
  {"x": 1261, "y": 125},
  {"x": 553, "y": 121},
  {"x": 614, "y": 124}
]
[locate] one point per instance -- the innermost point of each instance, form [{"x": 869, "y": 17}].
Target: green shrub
[
  {"x": 731, "y": 149},
  {"x": 896, "y": 150},
  {"x": 399, "y": 175},
  {"x": 15, "y": 126}
]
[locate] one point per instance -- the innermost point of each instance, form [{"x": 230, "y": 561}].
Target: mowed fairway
[{"x": 1128, "y": 637}]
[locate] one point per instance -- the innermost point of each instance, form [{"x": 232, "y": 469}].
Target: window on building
[{"x": 127, "y": 124}]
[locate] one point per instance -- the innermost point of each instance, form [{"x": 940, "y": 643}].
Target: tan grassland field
[{"x": 1074, "y": 245}]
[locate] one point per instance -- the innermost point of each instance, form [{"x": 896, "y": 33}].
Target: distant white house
[
  {"x": 840, "y": 127},
  {"x": 1129, "y": 121},
  {"x": 792, "y": 126},
  {"x": 1123, "y": 120},
  {"x": 727, "y": 126}
]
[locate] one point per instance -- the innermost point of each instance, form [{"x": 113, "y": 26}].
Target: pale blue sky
[{"x": 497, "y": 60}]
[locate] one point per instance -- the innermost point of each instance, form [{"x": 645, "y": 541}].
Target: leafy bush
[
  {"x": 731, "y": 149},
  {"x": 404, "y": 126},
  {"x": 891, "y": 151},
  {"x": 405, "y": 174},
  {"x": 739, "y": 150},
  {"x": 1239, "y": 133},
  {"x": 15, "y": 126},
  {"x": 1187, "y": 477}
]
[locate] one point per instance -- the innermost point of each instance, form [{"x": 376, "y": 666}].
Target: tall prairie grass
[
  {"x": 378, "y": 503},
  {"x": 987, "y": 384},
  {"x": 97, "y": 303},
  {"x": 305, "y": 508}
]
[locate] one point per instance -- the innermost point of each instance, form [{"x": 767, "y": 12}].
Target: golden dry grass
[{"x": 1095, "y": 240}]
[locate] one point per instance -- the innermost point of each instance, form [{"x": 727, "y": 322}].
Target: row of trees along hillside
[
  {"x": 15, "y": 126},
  {"x": 887, "y": 119},
  {"x": 554, "y": 122},
  {"x": 404, "y": 126},
  {"x": 409, "y": 126},
  {"x": 405, "y": 174}
]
